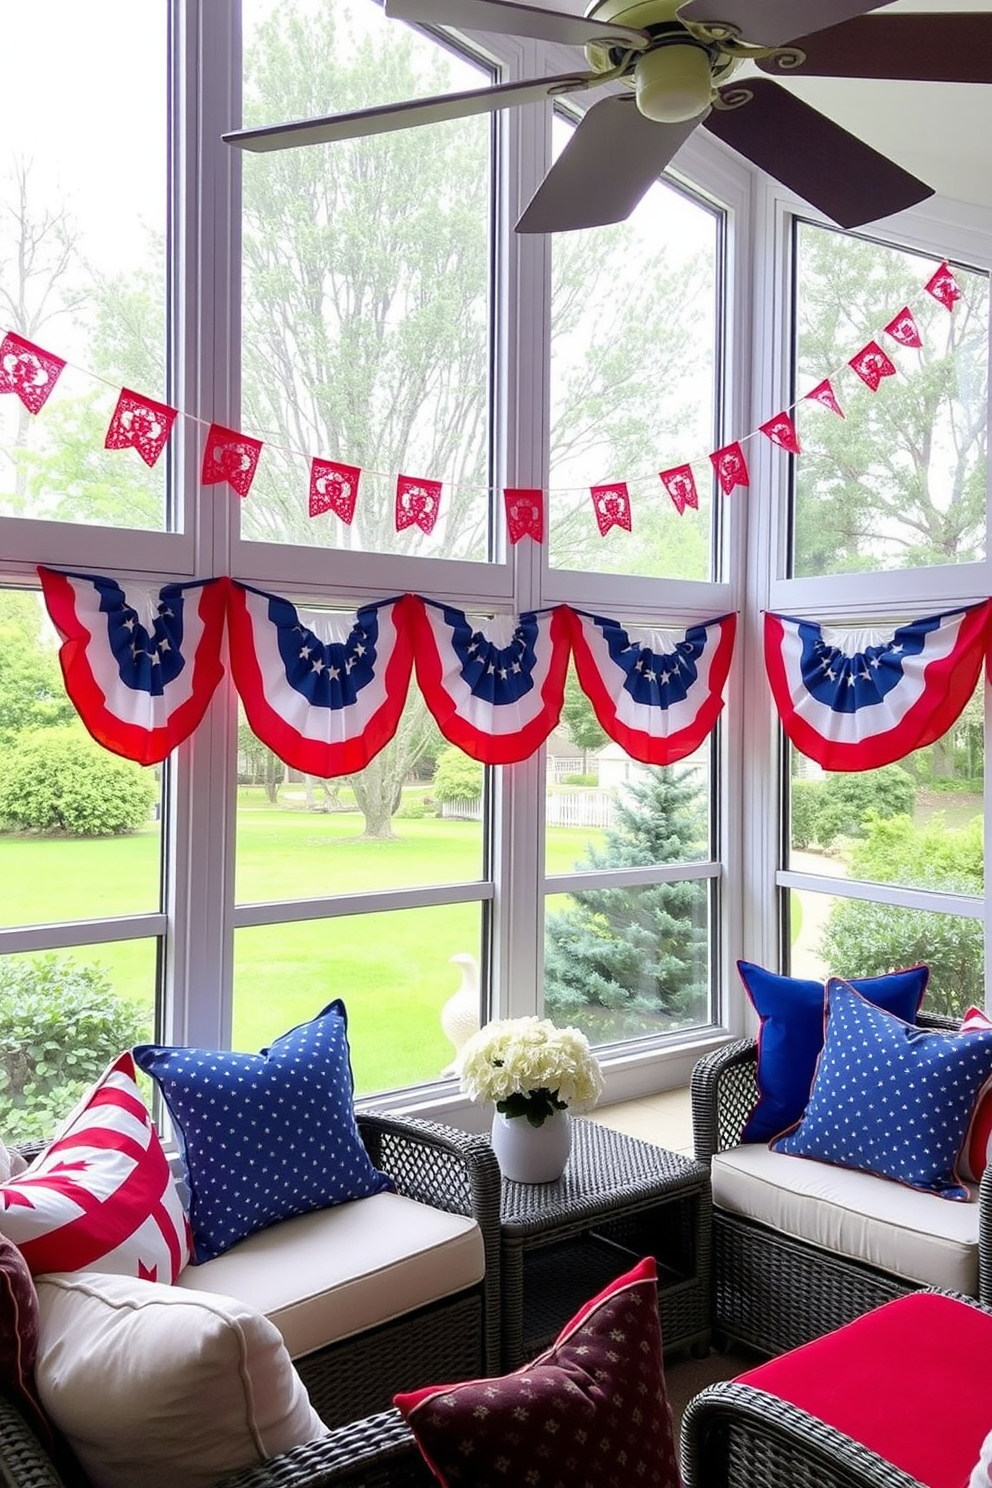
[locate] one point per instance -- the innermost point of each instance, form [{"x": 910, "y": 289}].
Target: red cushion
[
  {"x": 591, "y": 1409},
  {"x": 911, "y": 1380}
]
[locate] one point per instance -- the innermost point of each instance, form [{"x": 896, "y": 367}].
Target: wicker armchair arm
[
  {"x": 729, "y": 1425},
  {"x": 449, "y": 1169},
  {"x": 723, "y": 1090},
  {"x": 377, "y": 1452}
]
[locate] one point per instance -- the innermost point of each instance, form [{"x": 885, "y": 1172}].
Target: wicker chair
[
  {"x": 378, "y": 1452},
  {"x": 355, "y": 1378},
  {"x": 735, "y": 1435},
  {"x": 772, "y": 1292}
]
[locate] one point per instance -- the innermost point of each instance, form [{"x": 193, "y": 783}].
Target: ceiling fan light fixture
[{"x": 673, "y": 83}]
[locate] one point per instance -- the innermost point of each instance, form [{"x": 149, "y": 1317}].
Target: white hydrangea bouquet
[{"x": 529, "y": 1067}]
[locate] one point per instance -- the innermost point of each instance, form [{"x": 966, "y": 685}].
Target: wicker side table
[{"x": 618, "y": 1200}]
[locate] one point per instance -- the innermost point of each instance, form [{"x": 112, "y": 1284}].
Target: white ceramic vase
[{"x": 532, "y": 1154}]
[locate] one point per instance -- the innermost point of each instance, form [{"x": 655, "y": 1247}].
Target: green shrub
[
  {"x": 580, "y": 780},
  {"x": 59, "y": 780},
  {"x": 850, "y": 796},
  {"x": 807, "y": 799},
  {"x": 60, "y": 1026},
  {"x": 457, "y": 777}
]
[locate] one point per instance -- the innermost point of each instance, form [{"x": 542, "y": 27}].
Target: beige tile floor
[{"x": 665, "y": 1119}]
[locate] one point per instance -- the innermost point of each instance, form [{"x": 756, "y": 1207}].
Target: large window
[
  {"x": 368, "y": 304},
  {"x": 885, "y": 866}
]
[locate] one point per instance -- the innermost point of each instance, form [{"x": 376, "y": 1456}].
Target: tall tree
[
  {"x": 900, "y": 480},
  {"x": 623, "y": 961}
]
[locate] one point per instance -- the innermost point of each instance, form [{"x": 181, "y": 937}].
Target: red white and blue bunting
[
  {"x": 657, "y": 693},
  {"x": 495, "y": 691},
  {"x": 140, "y": 662},
  {"x": 855, "y": 700},
  {"x": 323, "y": 691}
]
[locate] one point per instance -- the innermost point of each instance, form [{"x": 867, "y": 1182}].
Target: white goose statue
[{"x": 460, "y": 1014}]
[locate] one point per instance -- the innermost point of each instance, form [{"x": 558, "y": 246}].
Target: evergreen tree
[{"x": 626, "y": 961}]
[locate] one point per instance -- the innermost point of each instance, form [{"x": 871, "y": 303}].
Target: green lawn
[{"x": 391, "y": 969}]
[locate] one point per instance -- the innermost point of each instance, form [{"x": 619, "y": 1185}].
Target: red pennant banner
[
  {"x": 140, "y": 423},
  {"x": 823, "y": 394},
  {"x": 903, "y": 328},
  {"x": 782, "y": 431},
  {"x": 417, "y": 503},
  {"x": 333, "y": 487},
  {"x": 28, "y": 371},
  {"x": 680, "y": 483},
  {"x": 871, "y": 364},
  {"x": 731, "y": 467},
  {"x": 524, "y": 512},
  {"x": 944, "y": 287},
  {"x": 230, "y": 456},
  {"x": 611, "y": 505}
]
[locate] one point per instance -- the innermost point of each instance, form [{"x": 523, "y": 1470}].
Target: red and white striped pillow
[
  {"x": 101, "y": 1197},
  {"x": 976, "y": 1151}
]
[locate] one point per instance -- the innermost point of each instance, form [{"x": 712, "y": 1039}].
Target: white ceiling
[{"x": 942, "y": 132}]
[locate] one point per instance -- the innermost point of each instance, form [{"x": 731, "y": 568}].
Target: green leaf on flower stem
[{"x": 536, "y": 1105}]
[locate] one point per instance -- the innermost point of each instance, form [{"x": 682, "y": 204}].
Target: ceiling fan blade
[
  {"x": 772, "y": 22},
  {"x": 824, "y": 164},
  {"x": 512, "y": 19},
  {"x": 389, "y": 116},
  {"x": 614, "y": 155},
  {"x": 955, "y": 48}
]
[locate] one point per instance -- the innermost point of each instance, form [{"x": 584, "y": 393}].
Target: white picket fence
[{"x": 588, "y": 808}]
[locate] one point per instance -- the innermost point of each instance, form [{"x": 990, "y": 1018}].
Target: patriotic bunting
[
  {"x": 417, "y": 503},
  {"x": 612, "y": 506},
  {"x": 323, "y": 691},
  {"x": 28, "y": 371},
  {"x": 140, "y": 664},
  {"x": 657, "y": 693},
  {"x": 143, "y": 424},
  {"x": 782, "y": 431},
  {"x": 855, "y": 701},
  {"x": 333, "y": 487},
  {"x": 140, "y": 423},
  {"x": 524, "y": 513},
  {"x": 872, "y": 364},
  {"x": 680, "y": 484},
  {"x": 731, "y": 467},
  {"x": 495, "y": 690},
  {"x": 230, "y": 456}
]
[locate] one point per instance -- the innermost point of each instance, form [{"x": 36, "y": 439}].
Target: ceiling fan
[{"x": 674, "y": 60}]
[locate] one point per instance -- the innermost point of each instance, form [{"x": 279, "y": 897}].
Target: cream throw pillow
[{"x": 159, "y": 1386}]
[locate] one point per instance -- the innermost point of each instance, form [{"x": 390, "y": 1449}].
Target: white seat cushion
[
  {"x": 914, "y": 1235},
  {"x": 326, "y": 1275}
]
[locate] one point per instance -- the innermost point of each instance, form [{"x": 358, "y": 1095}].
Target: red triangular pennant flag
[
  {"x": 680, "y": 483},
  {"x": 731, "y": 467},
  {"x": 140, "y": 423},
  {"x": 417, "y": 503},
  {"x": 28, "y": 371},
  {"x": 944, "y": 287},
  {"x": 823, "y": 394},
  {"x": 612, "y": 506},
  {"x": 872, "y": 364},
  {"x": 333, "y": 487},
  {"x": 782, "y": 431},
  {"x": 524, "y": 512},
  {"x": 230, "y": 456},
  {"x": 903, "y": 328}
]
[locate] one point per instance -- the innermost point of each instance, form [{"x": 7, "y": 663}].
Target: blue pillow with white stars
[
  {"x": 264, "y": 1136},
  {"x": 891, "y": 1098}
]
